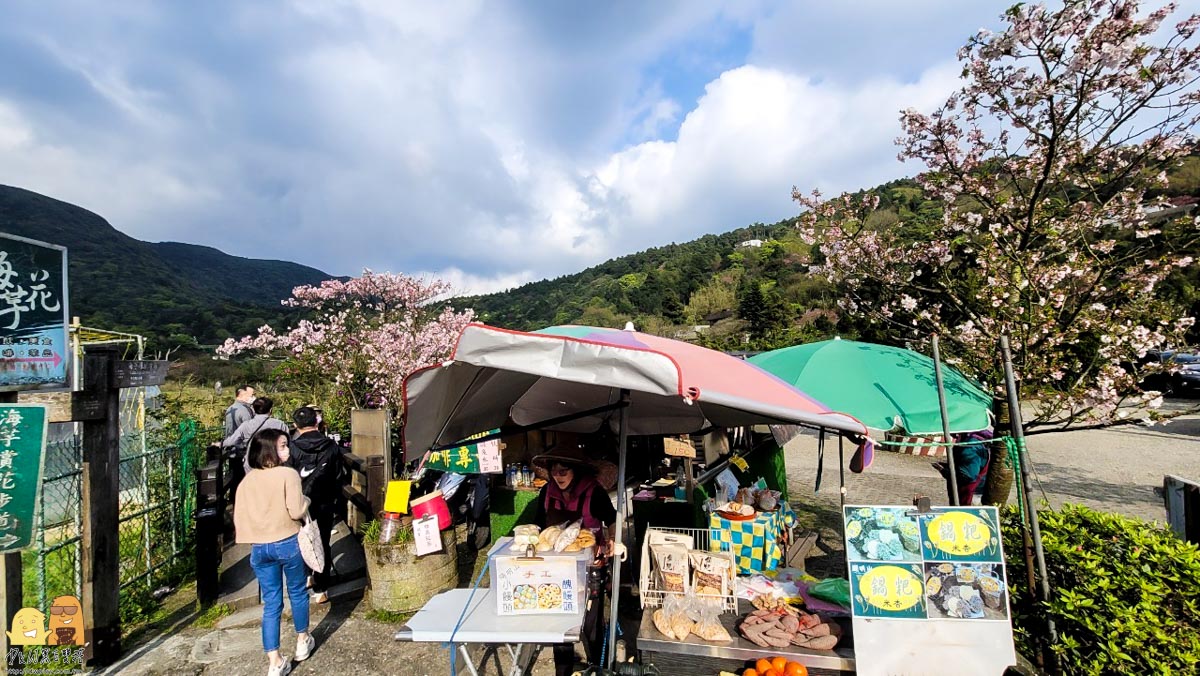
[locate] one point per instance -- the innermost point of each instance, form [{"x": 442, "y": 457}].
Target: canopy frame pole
[
  {"x": 952, "y": 479},
  {"x": 1018, "y": 434},
  {"x": 841, "y": 467},
  {"x": 521, "y": 429},
  {"x": 622, "y": 439}
]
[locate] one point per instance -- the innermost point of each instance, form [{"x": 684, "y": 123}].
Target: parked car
[{"x": 1180, "y": 374}]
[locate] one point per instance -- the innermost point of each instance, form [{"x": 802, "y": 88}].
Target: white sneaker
[
  {"x": 281, "y": 670},
  {"x": 304, "y": 647},
  {"x": 319, "y": 597}
]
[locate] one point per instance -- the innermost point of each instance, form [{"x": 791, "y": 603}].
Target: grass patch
[
  {"x": 388, "y": 616},
  {"x": 210, "y": 616}
]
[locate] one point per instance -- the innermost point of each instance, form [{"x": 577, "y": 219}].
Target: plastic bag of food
[
  {"x": 671, "y": 567},
  {"x": 568, "y": 535},
  {"x": 548, "y": 537},
  {"x": 712, "y": 572},
  {"x": 836, "y": 590},
  {"x": 708, "y": 621},
  {"x": 672, "y": 620},
  {"x": 526, "y": 535}
]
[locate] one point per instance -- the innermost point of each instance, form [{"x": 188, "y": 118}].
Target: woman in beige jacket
[{"x": 266, "y": 514}]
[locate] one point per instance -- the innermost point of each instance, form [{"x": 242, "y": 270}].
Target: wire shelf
[{"x": 652, "y": 596}]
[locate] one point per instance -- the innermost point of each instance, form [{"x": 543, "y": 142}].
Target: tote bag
[{"x": 311, "y": 547}]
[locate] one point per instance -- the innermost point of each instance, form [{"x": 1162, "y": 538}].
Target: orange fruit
[
  {"x": 769, "y": 672},
  {"x": 749, "y": 672},
  {"x": 762, "y": 666},
  {"x": 779, "y": 664},
  {"x": 796, "y": 669}
]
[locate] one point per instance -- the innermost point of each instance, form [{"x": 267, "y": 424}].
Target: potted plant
[{"x": 397, "y": 579}]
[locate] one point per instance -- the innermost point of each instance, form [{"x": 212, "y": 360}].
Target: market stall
[{"x": 585, "y": 379}]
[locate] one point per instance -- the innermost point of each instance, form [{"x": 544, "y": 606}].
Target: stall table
[
  {"x": 697, "y": 656},
  {"x": 435, "y": 623}
]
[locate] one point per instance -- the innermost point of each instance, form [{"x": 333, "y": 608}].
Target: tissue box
[{"x": 553, "y": 583}]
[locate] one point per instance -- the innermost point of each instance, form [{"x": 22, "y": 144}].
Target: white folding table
[{"x": 435, "y": 622}]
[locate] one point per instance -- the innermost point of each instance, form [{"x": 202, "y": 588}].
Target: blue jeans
[{"x": 270, "y": 562}]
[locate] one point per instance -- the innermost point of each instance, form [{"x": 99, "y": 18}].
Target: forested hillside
[
  {"x": 713, "y": 291},
  {"x": 179, "y": 295}
]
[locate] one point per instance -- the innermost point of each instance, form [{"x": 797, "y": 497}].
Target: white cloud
[{"x": 490, "y": 143}]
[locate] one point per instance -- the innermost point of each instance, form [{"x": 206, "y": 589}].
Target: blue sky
[{"x": 490, "y": 143}]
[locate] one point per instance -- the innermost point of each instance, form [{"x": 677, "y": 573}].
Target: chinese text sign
[
  {"x": 34, "y": 346},
  {"x": 22, "y": 448}
]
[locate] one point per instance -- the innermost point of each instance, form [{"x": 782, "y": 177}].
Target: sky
[{"x": 486, "y": 143}]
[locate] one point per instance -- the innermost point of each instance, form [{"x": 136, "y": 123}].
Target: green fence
[{"x": 157, "y": 500}]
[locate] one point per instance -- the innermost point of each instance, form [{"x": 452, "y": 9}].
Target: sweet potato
[{"x": 817, "y": 643}]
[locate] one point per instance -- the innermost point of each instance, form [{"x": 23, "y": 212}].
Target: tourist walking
[
  {"x": 240, "y": 410},
  {"x": 266, "y": 515},
  {"x": 318, "y": 459}
]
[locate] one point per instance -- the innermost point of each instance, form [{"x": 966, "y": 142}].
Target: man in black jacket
[{"x": 319, "y": 461}]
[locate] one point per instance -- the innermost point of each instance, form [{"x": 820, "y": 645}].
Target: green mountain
[
  {"x": 177, "y": 294},
  {"x": 729, "y": 292}
]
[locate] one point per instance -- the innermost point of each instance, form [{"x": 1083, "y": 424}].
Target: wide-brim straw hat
[{"x": 572, "y": 456}]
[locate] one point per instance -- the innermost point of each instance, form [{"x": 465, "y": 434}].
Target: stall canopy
[
  {"x": 885, "y": 387},
  {"x": 675, "y": 387}
]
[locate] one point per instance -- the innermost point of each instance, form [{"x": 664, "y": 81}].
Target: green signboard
[
  {"x": 478, "y": 458},
  {"x": 22, "y": 451},
  {"x": 34, "y": 347}
]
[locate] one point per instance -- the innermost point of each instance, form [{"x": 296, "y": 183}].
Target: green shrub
[{"x": 1125, "y": 594}]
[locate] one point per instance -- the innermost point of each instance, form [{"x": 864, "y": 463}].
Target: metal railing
[{"x": 157, "y": 489}]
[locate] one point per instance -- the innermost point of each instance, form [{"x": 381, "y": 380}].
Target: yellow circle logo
[
  {"x": 891, "y": 588},
  {"x": 959, "y": 533}
]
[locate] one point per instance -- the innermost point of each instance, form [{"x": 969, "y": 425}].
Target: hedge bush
[{"x": 1125, "y": 594}]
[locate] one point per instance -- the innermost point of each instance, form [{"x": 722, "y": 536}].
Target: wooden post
[
  {"x": 100, "y": 503},
  {"x": 371, "y": 434},
  {"x": 377, "y": 480},
  {"x": 10, "y": 568}
]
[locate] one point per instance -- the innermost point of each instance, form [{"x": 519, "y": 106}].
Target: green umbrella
[{"x": 882, "y": 386}]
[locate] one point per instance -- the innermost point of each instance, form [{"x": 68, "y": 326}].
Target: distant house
[
  {"x": 756, "y": 243},
  {"x": 718, "y": 316}
]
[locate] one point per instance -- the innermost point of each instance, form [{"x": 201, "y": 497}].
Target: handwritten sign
[
  {"x": 543, "y": 586},
  {"x": 34, "y": 347},
  {"x": 469, "y": 458},
  {"x": 426, "y": 536},
  {"x": 22, "y": 454}
]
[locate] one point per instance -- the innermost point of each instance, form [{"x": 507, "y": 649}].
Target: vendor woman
[{"x": 574, "y": 494}]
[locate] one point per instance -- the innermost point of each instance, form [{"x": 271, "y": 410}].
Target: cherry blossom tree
[
  {"x": 1048, "y": 165},
  {"x": 362, "y": 337}
]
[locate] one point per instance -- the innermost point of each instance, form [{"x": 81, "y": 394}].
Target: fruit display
[
  {"x": 787, "y": 627},
  {"x": 776, "y": 666}
]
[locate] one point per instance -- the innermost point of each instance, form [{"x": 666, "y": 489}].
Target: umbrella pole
[
  {"x": 841, "y": 468},
  {"x": 1018, "y": 433},
  {"x": 622, "y": 437},
  {"x": 941, "y": 390}
]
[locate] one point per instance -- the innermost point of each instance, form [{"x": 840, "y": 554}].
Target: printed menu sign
[
  {"x": 469, "y": 458},
  {"x": 34, "y": 350},
  {"x": 959, "y": 567},
  {"x": 935, "y": 577},
  {"x": 22, "y": 454},
  {"x": 538, "y": 586}
]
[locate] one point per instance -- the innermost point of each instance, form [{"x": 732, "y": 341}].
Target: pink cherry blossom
[
  {"x": 362, "y": 337},
  {"x": 1041, "y": 164}
]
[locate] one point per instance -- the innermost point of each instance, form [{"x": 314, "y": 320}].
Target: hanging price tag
[
  {"x": 739, "y": 462},
  {"x": 425, "y": 533},
  {"x": 489, "y": 457}
]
